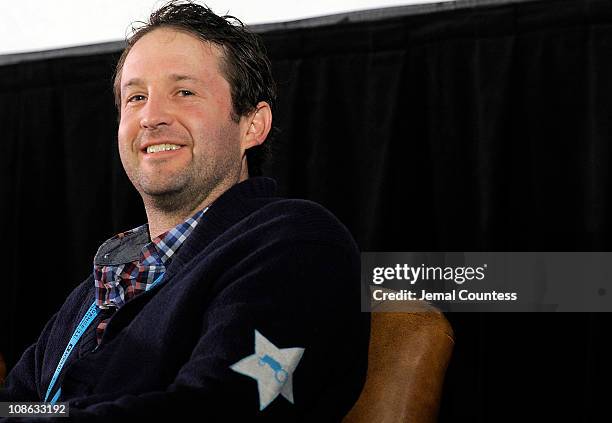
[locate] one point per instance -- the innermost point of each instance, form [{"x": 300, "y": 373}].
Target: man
[{"x": 230, "y": 304}]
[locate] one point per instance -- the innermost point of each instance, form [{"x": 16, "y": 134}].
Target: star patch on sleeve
[{"x": 272, "y": 368}]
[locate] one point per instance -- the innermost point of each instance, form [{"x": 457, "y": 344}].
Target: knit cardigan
[{"x": 285, "y": 268}]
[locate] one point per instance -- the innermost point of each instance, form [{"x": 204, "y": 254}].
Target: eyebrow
[
  {"x": 178, "y": 77},
  {"x": 174, "y": 77},
  {"x": 132, "y": 82}
]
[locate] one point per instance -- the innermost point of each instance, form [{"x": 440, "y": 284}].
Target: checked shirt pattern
[{"x": 116, "y": 285}]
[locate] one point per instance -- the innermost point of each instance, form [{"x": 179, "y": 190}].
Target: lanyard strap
[
  {"x": 76, "y": 336},
  {"x": 89, "y": 317}
]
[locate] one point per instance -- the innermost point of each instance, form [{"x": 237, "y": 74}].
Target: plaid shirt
[{"x": 116, "y": 285}]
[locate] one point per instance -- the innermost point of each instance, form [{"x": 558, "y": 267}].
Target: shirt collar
[
  {"x": 163, "y": 247},
  {"x": 135, "y": 244}
]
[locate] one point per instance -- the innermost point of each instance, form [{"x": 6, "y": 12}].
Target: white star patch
[{"x": 272, "y": 368}]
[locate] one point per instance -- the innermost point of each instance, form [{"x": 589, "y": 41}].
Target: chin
[
  {"x": 169, "y": 185},
  {"x": 161, "y": 192}
]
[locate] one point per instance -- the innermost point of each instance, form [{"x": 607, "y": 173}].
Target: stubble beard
[
  {"x": 188, "y": 188},
  {"x": 198, "y": 184}
]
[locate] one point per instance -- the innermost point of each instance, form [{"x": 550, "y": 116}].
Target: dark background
[{"x": 471, "y": 129}]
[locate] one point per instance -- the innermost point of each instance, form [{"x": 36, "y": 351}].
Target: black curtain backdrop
[{"x": 476, "y": 129}]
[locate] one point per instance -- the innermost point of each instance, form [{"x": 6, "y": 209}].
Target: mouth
[{"x": 159, "y": 148}]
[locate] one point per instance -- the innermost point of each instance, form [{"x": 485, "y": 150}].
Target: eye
[
  {"x": 134, "y": 98},
  {"x": 185, "y": 93}
]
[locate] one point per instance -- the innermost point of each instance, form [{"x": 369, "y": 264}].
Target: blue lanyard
[{"x": 89, "y": 317}]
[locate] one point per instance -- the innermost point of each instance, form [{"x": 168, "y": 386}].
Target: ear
[{"x": 257, "y": 126}]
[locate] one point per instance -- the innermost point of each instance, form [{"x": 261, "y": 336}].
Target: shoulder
[{"x": 300, "y": 221}]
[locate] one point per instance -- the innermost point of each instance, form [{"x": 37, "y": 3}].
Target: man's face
[{"x": 177, "y": 141}]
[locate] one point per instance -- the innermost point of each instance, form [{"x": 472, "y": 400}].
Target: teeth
[{"x": 162, "y": 147}]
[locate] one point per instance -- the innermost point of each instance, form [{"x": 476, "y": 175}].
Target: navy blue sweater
[{"x": 285, "y": 268}]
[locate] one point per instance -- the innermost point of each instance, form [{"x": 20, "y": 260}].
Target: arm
[
  {"x": 23, "y": 381},
  {"x": 20, "y": 384}
]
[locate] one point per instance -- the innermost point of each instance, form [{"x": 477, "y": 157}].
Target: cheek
[
  {"x": 200, "y": 127},
  {"x": 125, "y": 150},
  {"x": 125, "y": 135}
]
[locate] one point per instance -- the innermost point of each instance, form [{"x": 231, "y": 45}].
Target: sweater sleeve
[
  {"x": 283, "y": 340},
  {"x": 23, "y": 381},
  {"x": 20, "y": 384}
]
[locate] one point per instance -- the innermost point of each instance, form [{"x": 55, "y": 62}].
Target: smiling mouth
[{"x": 161, "y": 147}]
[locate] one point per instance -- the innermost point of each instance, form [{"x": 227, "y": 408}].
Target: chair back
[
  {"x": 408, "y": 356},
  {"x": 2, "y": 370}
]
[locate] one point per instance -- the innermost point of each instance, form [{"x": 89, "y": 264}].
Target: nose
[{"x": 155, "y": 113}]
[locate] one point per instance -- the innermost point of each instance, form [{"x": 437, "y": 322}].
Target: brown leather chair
[
  {"x": 408, "y": 356},
  {"x": 2, "y": 370}
]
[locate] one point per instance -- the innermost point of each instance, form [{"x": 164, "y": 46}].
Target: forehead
[{"x": 167, "y": 51}]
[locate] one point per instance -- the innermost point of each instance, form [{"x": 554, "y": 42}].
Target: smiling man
[{"x": 230, "y": 303}]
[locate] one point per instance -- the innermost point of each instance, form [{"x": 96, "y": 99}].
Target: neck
[
  {"x": 162, "y": 218},
  {"x": 162, "y": 221}
]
